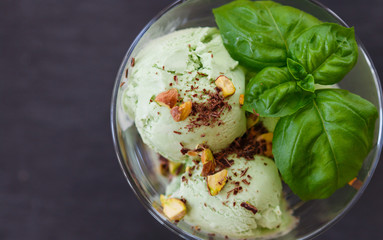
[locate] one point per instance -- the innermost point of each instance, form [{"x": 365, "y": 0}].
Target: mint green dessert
[
  {"x": 232, "y": 110},
  {"x": 255, "y": 182},
  {"x": 189, "y": 60}
]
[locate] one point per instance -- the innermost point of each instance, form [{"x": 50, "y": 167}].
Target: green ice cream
[
  {"x": 189, "y": 60},
  {"x": 259, "y": 185}
]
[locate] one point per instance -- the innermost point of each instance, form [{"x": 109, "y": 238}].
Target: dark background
[{"x": 59, "y": 176}]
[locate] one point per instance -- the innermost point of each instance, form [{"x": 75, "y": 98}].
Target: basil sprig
[{"x": 323, "y": 136}]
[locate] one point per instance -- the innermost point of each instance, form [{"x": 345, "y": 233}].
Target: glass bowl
[{"x": 140, "y": 166}]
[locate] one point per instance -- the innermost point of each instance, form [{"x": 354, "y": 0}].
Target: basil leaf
[
  {"x": 307, "y": 83},
  {"x": 274, "y": 93},
  {"x": 299, "y": 73},
  {"x": 296, "y": 69},
  {"x": 323, "y": 145},
  {"x": 256, "y": 33},
  {"x": 328, "y": 51}
]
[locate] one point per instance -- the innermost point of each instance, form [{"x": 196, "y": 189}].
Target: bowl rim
[{"x": 145, "y": 201}]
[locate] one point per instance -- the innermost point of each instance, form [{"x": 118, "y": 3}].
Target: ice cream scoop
[
  {"x": 249, "y": 205},
  {"x": 183, "y": 90}
]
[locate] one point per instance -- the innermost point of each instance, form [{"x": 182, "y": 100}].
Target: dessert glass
[{"x": 139, "y": 164}]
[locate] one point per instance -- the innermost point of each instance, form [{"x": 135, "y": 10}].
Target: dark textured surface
[{"x": 59, "y": 177}]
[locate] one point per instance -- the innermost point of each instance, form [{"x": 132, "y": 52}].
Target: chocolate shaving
[
  {"x": 132, "y": 62},
  {"x": 249, "y": 207},
  {"x": 184, "y": 150},
  {"x": 126, "y": 72},
  {"x": 245, "y": 182},
  {"x": 244, "y": 172},
  {"x": 184, "y": 179},
  {"x": 183, "y": 200},
  {"x": 176, "y": 132},
  {"x": 208, "y": 113},
  {"x": 122, "y": 84},
  {"x": 246, "y": 146},
  {"x": 235, "y": 191}
]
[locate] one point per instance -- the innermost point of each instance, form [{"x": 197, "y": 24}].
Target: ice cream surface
[
  {"x": 188, "y": 60},
  {"x": 255, "y": 182}
]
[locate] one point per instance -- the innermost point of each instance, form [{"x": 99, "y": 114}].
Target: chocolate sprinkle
[
  {"x": 250, "y": 207},
  {"x": 244, "y": 172},
  {"x": 126, "y": 72},
  {"x": 246, "y": 146},
  {"x": 245, "y": 182},
  {"x": 208, "y": 113},
  {"x": 132, "y": 62}
]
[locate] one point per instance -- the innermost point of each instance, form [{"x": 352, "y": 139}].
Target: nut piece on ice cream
[
  {"x": 168, "y": 98},
  {"x": 226, "y": 85},
  {"x": 252, "y": 119},
  {"x": 180, "y": 113},
  {"x": 207, "y": 156},
  {"x": 208, "y": 162},
  {"x": 175, "y": 167},
  {"x": 241, "y": 99},
  {"x": 267, "y": 139},
  {"x": 173, "y": 208},
  {"x": 216, "y": 182}
]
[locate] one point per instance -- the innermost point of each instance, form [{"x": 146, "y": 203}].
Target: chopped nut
[
  {"x": 180, "y": 113},
  {"x": 192, "y": 154},
  {"x": 241, "y": 99},
  {"x": 173, "y": 208},
  {"x": 208, "y": 162},
  {"x": 175, "y": 168},
  {"x": 356, "y": 183},
  {"x": 226, "y": 85},
  {"x": 267, "y": 139},
  {"x": 207, "y": 156},
  {"x": 168, "y": 98},
  {"x": 252, "y": 119},
  {"x": 216, "y": 182}
]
